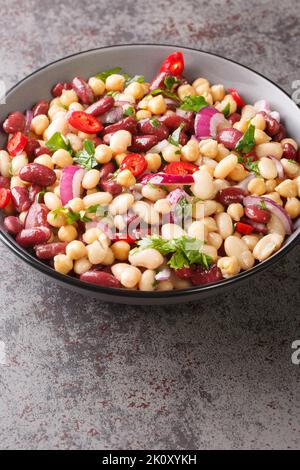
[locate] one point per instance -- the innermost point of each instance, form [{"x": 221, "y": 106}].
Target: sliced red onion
[
  {"x": 176, "y": 195},
  {"x": 279, "y": 167},
  {"x": 28, "y": 119},
  {"x": 244, "y": 183},
  {"x": 158, "y": 148},
  {"x": 207, "y": 121},
  {"x": 163, "y": 178},
  {"x": 275, "y": 115},
  {"x": 171, "y": 103},
  {"x": 163, "y": 275},
  {"x": 274, "y": 208},
  {"x": 70, "y": 185},
  {"x": 262, "y": 105},
  {"x": 115, "y": 114},
  {"x": 183, "y": 113},
  {"x": 258, "y": 227}
]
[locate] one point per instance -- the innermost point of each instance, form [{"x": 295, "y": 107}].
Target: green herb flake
[
  {"x": 170, "y": 81},
  {"x": 40, "y": 194},
  {"x": 247, "y": 142},
  {"x": 129, "y": 111},
  {"x": 154, "y": 122},
  {"x": 136, "y": 78},
  {"x": 57, "y": 142},
  {"x": 193, "y": 103},
  {"x": 86, "y": 157},
  {"x": 263, "y": 205},
  {"x": 106, "y": 73},
  {"x": 226, "y": 110},
  {"x": 174, "y": 137},
  {"x": 166, "y": 93}
]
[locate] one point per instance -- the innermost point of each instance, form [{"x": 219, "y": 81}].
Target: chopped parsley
[
  {"x": 174, "y": 137},
  {"x": 129, "y": 111},
  {"x": 56, "y": 142},
  {"x": 86, "y": 157},
  {"x": 170, "y": 81},
  {"x": 168, "y": 94},
  {"x": 249, "y": 164},
  {"x": 154, "y": 122},
  {"x": 193, "y": 103},
  {"x": 247, "y": 142},
  {"x": 72, "y": 216},
  {"x": 226, "y": 110},
  {"x": 106, "y": 73}
]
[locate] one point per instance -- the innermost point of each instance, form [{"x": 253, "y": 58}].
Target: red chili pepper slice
[
  {"x": 244, "y": 229},
  {"x": 124, "y": 237},
  {"x": 237, "y": 97},
  {"x": 16, "y": 143},
  {"x": 249, "y": 158},
  {"x": 135, "y": 163},
  {"x": 85, "y": 122},
  {"x": 181, "y": 168},
  {"x": 5, "y": 197},
  {"x": 174, "y": 64}
]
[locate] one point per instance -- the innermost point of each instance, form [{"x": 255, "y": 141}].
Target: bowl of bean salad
[{"x": 149, "y": 182}]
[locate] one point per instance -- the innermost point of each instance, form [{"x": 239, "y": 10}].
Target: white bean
[
  {"x": 5, "y": 161},
  {"x": 101, "y": 198},
  {"x": 269, "y": 148},
  {"x": 121, "y": 204},
  {"x": 225, "y": 166},
  {"x": 153, "y": 193},
  {"x": 267, "y": 168},
  {"x": 275, "y": 226},
  {"x": 224, "y": 224},
  {"x": 146, "y": 212},
  {"x": 147, "y": 281},
  {"x": 198, "y": 230},
  {"x": 267, "y": 246},
  {"x": 170, "y": 231},
  {"x": 128, "y": 275},
  {"x": 237, "y": 247},
  {"x": 148, "y": 258},
  {"x": 203, "y": 188}
]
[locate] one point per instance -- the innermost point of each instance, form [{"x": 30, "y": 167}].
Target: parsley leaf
[
  {"x": 226, "y": 110},
  {"x": 183, "y": 209},
  {"x": 170, "y": 81},
  {"x": 249, "y": 164},
  {"x": 174, "y": 137},
  {"x": 136, "y": 78},
  {"x": 129, "y": 111},
  {"x": 193, "y": 103},
  {"x": 263, "y": 205},
  {"x": 57, "y": 142},
  {"x": 247, "y": 142},
  {"x": 40, "y": 194},
  {"x": 168, "y": 94},
  {"x": 86, "y": 157},
  {"x": 106, "y": 73},
  {"x": 72, "y": 217},
  {"x": 154, "y": 122}
]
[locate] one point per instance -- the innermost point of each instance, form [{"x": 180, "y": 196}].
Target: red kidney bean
[
  {"x": 111, "y": 186},
  {"x": 59, "y": 87},
  {"x": 258, "y": 214},
  {"x": 13, "y": 225},
  {"x": 38, "y": 174},
  {"x": 183, "y": 138},
  {"x": 272, "y": 126},
  {"x": 34, "y": 191},
  {"x": 184, "y": 273},
  {"x": 33, "y": 236},
  {"x": 31, "y": 148},
  {"x": 83, "y": 90},
  {"x": 37, "y": 216},
  {"x": 127, "y": 124},
  {"x": 97, "y": 141},
  {"x": 4, "y": 182},
  {"x": 153, "y": 127},
  {"x": 41, "y": 107},
  {"x": 100, "y": 278},
  {"x": 143, "y": 143},
  {"x": 281, "y": 134},
  {"x": 106, "y": 170},
  {"x": 233, "y": 118},
  {"x": 101, "y": 106},
  {"x": 49, "y": 250},
  {"x": 173, "y": 121},
  {"x": 42, "y": 151},
  {"x": 289, "y": 152},
  {"x": 20, "y": 198},
  {"x": 257, "y": 226},
  {"x": 15, "y": 122},
  {"x": 205, "y": 276},
  {"x": 229, "y": 137},
  {"x": 231, "y": 195}
]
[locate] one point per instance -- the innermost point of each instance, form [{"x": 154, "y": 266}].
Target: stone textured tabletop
[{"x": 83, "y": 374}]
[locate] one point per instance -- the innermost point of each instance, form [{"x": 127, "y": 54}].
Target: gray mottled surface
[{"x": 83, "y": 374}]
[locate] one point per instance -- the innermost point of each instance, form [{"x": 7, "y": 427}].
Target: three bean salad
[{"x": 149, "y": 186}]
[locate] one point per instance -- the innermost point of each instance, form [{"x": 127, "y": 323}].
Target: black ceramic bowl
[{"x": 146, "y": 59}]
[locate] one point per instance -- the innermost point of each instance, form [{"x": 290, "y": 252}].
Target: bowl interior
[{"x": 146, "y": 59}]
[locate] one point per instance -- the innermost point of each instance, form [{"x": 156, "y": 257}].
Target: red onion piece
[
  {"x": 158, "y": 148},
  {"x": 183, "y": 113},
  {"x": 163, "y": 275},
  {"x": 207, "y": 121},
  {"x": 176, "y": 195},
  {"x": 279, "y": 167},
  {"x": 70, "y": 185},
  {"x": 274, "y": 208},
  {"x": 262, "y": 105},
  {"x": 28, "y": 119},
  {"x": 163, "y": 178},
  {"x": 275, "y": 115}
]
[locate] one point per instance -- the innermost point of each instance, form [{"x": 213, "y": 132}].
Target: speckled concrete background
[{"x": 81, "y": 374}]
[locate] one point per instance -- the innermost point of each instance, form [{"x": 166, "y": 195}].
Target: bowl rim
[{"x": 119, "y": 292}]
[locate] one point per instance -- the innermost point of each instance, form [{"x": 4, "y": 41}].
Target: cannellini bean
[
  {"x": 119, "y": 141},
  {"x": 267, "y": 246},
  {"x": 5, "y": 162},
  {"x": 109, "y": 257},
  {"x": 211, "y": 251},
  {"x": 148, "y": 258},
  {"x": 146, "y": 212},
  {"x": 82, "y": 265},
  {"x": 17, "y": 163},
  {"x": 261, "y": 137},
  {"x": 198, "y": 230},
  {"x": 91, "y": 179},
  {"x": 153, "y": 193},
  {"x": 291, "y": 168},
  {"x": 214, "y": 239},
  {"x": 96, "y": 252},
  {"x": 91, "y": 235},
  {"x": 275, "y": 226},
  {"x": 147, "y": 281},
  {"x": 237, "y": 247},
  {"x": 162, "y": 206},
  {"x": 251, "y": 241},
  {"x": 102, "y": 198},
  {"x": 52, "y": 201},
  {"x": 203, "y": 188},
  {"x": 229, "y": 266},
  {"x": 121, "y": 203},
  {"x": 128, "y": 275},
  {"x": 225, "y": 166},
  {"x": 170, "y": 231},
  {"x": 224, "y": 224},
  {"x": 267, "y": 168},
  {"x": 210, "y": 223},
  {"x": 270, "y": 148}
]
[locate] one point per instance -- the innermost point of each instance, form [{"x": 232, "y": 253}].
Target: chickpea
[
  {"x": 135, "y": 89},
  {"x": 198, "y": 230},
  {"x": 125, "y": 178},
  {"x": 209, "y": 165},
  {"x": 270, "y": 185},
  {"x": 157, "y": 105},
  {"x": 209, "y": 148},
  {"x": 261, "y": 137},
  {"x": 76, "y": 204},
  {"x": 288, "y": 188},
  {"x": 148, "y": 258},
  {"x": 214, "y": 239},
  {"x": 119, "y": 141},
  {"x": 147, "y": 281},
  {"x": 97, "y": 85},
  {"x": 128, "y": 275},
  {"x": 56, "y": 220},
  {"x": 170, "y": 231},
  {"x": 270, "y": 148},
  {"x": 96, "y": 252},
  {"x": 171, "y": 153},
  {"x": 236, "y": 211},
  {"x": 101, "y": 198},
  {"x": 5, "y": 162},
  {"x": 257, "y": 186},
  {"x": 154, "y": 161},
  {"x": 109, "y": 257},
  {"x": 222, "y": 152},
  {"x": 119, "y": 158},
  {"x": 203, "y": 188},
  {"x": 201, "y": 82},
  {"x": 63, "y": 264},
  {"x": 218, "y": 92},
  {"x": 68, "y": 97},
  {"x": 165, "y": 285},
  {"x": 45, "y": 160},
  {"x": 185, "y": 90},
  {"x": 229, "y": 266},
  {"x": 248, "y": 112},
  {"x": 39, "y": 124},
  {"x": 75, "y": 106},
  {"x": 275, "y": 197},
  {"x": 121, "y": 250},
  {"x": 121, "y": 204},
  {"x": 224, "y": 103},
  {"x": 115, "y": 82},
  {"x": 59, "y": 125},
  {"x": 251, "y": 241},
  {"x": 103, "y": 153},
  {"x": 162, "y": 206},
  {"x": 75, "y": 141},
  {"x": 84, "y": 135},
  {"x": 238, "y": 173},
  {"x": 56, "y": 111},
  {"x": 291, "y": 169},
  {"x": 75, "y": 249},
  {"x": 52, "y": 201},
  {"x": 224, "y": 224},
  {"x": 91, "y": 179},
  {"x": 91, "y": 235},
  {"x": 62, "y": 158},
  {"x": 153, "y": 193},
  {"x": 267, "y": 246},
  {"x": 190, "y": 152},
  {"x": 259, "y": 122},
  {"x": 143, "y": 104},
  {"x": 143, "y": 114},
  {"x": 82, "y": 265},
  {"x": 241, "y": 125},
  {"x": 292, "y": 207},
  {"x": 67, "y": 233}
]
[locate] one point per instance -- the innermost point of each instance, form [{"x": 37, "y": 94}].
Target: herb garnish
[
  {"x": 170, "y": 81},
  {"x": 57, "y": 142},
  {"x": 247, "y": 142},
  {"x": 86, "y": 157},
  {"x": 226, "y": 110},
  {"x": 106, "y": 73},
  {"x": 129, "y": 111},
  {"x": 174, "y": 137},
  {"x": 249, "y": 163},
  {"x": 168, "y": 94},
  {"x": 154, "y": 122},
  {"x": 193, "y": 103},
  {"x": 72, "y": 216}
]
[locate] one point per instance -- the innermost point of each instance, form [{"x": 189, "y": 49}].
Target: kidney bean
[
  {"x": 128, "y": 124},
  {"x": 281, "y": 134},
  {"x": 184, "y": 273},
  {"x": 229, "y": 137},
  {"x": 106, "y": 170},
  {"x": 34, "y": 191},
  {"x": 205, "y": 276},
  {"x": 183, "y": 138},
  {"x": 41, "y": 107},
  {"x": 15, "y": 122},
  {"x": 97, "y": 141},
  {"x": 257, "y": 226},
  {"x": 233, "y": 118},
  {"x": 37, "y": 216},
  {"x": 173, "y": 121},
  {"x": 38, "y": 174},
  {"x": 272, "y": 126},
  {"x": 231, "y": 195},
  {"x": 49, "y": 250},
  {"x": 153, "y": 127},
  {"x": 4, "y": 182},
  {"x": 143, "y": 143},
  {"x": 83, "y": 90},
  {"x": 289, "y": 152},
  {"x": 258, "y": 214},
  {"x": 13, "y": 225},
  {"x": 31, "y": 148},
  {"x": 59, "y": 87},
  {"x": 42, "y": 151},
  {"x": 101, "y": 106},
  {"x": 33, "y": 236},
  {"x": 20, "y": 198},
  {"x": 111, "y": 186},
  {"x": 100, "y": 278}
]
